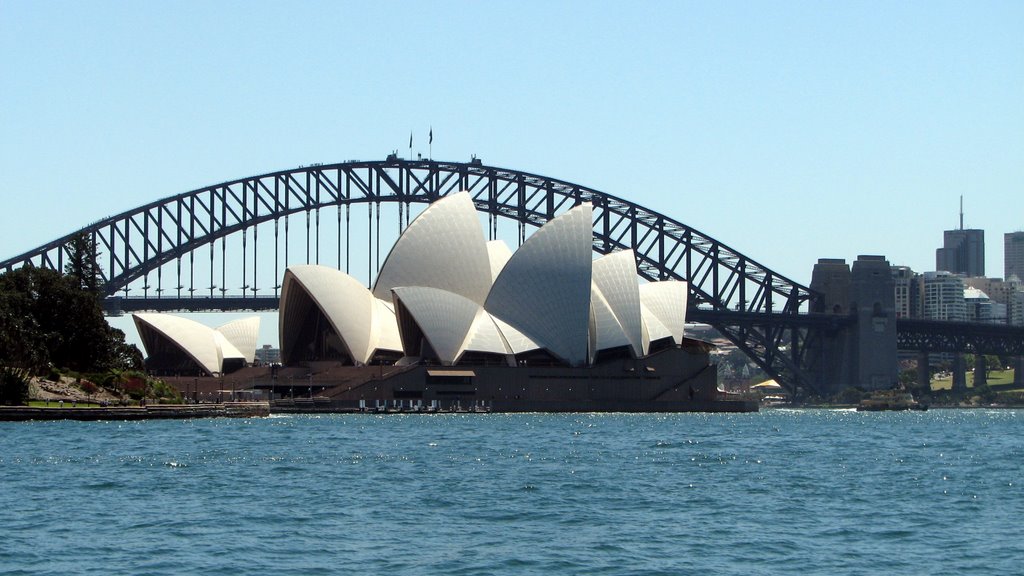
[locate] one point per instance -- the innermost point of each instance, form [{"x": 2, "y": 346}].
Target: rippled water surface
[{"x": 780, "y": 492}]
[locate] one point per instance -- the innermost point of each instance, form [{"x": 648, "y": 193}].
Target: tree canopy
[
  {"x": 50, "y": 319},
  {"x": 82, "y": 263}
]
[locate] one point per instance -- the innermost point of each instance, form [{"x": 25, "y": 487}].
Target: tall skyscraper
[
  {"x": 963, "y": 250},
  {"x": 1013, "y": 255}
]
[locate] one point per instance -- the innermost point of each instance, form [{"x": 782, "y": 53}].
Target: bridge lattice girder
[
  {"x": 972, "y": 337},
  {"x": 136, "y": 242}
]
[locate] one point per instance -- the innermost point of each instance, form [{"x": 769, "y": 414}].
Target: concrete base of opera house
[{"x": 675, "y": 379}]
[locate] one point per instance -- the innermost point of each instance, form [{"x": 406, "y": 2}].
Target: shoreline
[{"x": 150, "y": 412}]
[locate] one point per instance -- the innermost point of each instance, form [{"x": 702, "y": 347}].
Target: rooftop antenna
[{"x": 961, "y": 211}]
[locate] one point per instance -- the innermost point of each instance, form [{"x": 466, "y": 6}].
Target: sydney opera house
[{"x": 455, "y": 320}]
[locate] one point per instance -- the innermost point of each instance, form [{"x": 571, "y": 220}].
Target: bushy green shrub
[
  {"x": 163, "y": 391},
  {"x": 13, "y": 386},
  {"x": 850, "y": 396},
  {"x": 984, "y": 393}
]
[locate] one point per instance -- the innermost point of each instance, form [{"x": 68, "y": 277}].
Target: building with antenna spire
[
  {"x": 963, "y": 250},
  {"x": 1013, "y": 254}
]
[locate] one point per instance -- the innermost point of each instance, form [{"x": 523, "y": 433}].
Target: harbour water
[{"x": 776, "y": 492}]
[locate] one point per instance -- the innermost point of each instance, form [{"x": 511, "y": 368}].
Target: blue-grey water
[{"x": 779, "y": 492}]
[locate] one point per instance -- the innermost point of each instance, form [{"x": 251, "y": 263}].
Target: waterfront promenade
[{"x": 150, "y": 412}]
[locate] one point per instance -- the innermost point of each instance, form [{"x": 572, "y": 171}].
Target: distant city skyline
[{"x": 788, "y": 131}]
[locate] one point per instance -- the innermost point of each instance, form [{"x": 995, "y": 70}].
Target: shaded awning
[{"x": 452, "y": 373}]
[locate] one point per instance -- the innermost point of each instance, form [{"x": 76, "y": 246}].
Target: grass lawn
[
  {"x": 995, "y": 377},
  {"x": 56, "y": 404}
]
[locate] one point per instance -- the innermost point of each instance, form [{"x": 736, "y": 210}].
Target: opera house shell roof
[
  {"x": 446, "y": 295},
  {"x": 181, "y": 342}
]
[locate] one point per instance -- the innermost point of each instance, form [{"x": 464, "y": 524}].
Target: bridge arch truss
[{"x": 176, "y": 236}]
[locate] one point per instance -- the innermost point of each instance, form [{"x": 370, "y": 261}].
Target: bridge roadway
[{"x": 912, "y": 334}]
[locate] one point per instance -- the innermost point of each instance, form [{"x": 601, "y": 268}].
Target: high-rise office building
[
  {"x": 963, "y": 250},
  {"x": 1013, "y": 255},
  {"x": 908, "y": 288}
]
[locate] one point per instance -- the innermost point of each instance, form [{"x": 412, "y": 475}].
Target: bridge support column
[
  {"x": 980, "y": 377},
  {"x": 924, "y": 375},
  {"x": 959, "y": 373},
  {"x": 1018, "y": 371},
  {"x": 862, "y": 355}
]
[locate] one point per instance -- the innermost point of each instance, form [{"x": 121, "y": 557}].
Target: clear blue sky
[{"x": 790, "y": 131}]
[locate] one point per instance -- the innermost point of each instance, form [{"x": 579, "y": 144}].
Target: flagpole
[{"x": 431, "y": 140}]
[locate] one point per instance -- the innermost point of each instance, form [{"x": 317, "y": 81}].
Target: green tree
[
  {"x": 21, "y": 342},
  {"x": 82, "y": 263},
  {"x": 992, "y": 363},
  {"x": 47, "y": 318},
  {"x": 13, "y": 386}
]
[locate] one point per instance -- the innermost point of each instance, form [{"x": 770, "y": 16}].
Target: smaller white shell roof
[
  {"x": 226, "y": 349},
  {"x": 198, "y": 341},
  {"x": 498, "y": 253},
  {"x": 515, "y": 341},
  {"x": 242, "y": 335},
  {"x": 485, "y": 336},
  {"x": 616, "y": 280},
  {"x": 386, "y": 335},
  {"x": 653, "y": 328},
  {"x": 608, "y": 331},
  {"x": 445, "y": 318},
  {"x": 666, "y": 301},
  {"x": 347, "y": 304}
]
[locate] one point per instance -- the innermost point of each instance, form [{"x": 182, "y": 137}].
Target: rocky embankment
[{"x": 70, "y": 390}]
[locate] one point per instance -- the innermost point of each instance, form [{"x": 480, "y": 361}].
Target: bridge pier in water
[
  {"x": 980, "y": 374},
  {"x": 924, "y": 374},
  {"x": 959, "y": 373},
  {"x": 863, "y": 353}
]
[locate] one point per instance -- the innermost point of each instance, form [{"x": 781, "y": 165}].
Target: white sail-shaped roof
[
  {"x": 666, "y": 301},
  {"x": 196, "y": 340},
  {"x": 348, "y": 305},
  {"x": 544, "y": 289},
  {"x": 516, "y": 341},
  {"x": 225, "y": 349},
  {"x": 615, "y": 277},
  {"x": 653, "y": 328},
  {"x": 498, "y": 253},
  {"x": 485, "y": 336},
  {"x": 243, "y": 335},
  {"x": 444, "y": 248},
  {"x": 607, "y": 331},
  {"x": 444, "y": 318},
  {"x": 385, "y": 327}
]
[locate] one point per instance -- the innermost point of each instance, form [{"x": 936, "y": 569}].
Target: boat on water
[
  {"x": 775, "y": 400},
  {"x": 896, "y": 399}
]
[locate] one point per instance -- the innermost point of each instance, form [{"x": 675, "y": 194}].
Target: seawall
[{"x": 152, "y": 412}]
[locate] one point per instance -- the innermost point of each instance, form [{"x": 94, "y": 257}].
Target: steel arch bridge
[{"x": 756, "y": 308}]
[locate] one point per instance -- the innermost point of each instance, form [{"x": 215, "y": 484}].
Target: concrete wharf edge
[
  {"x": 152, "y": 412},
  {"x": 522, "y": 406}
]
